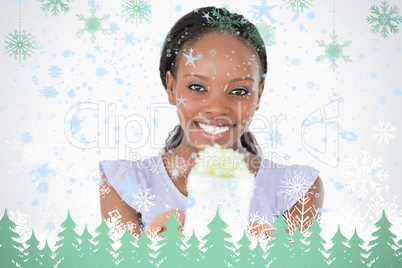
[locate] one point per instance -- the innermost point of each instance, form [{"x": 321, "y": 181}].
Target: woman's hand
[{"x": 156, "y": 226}]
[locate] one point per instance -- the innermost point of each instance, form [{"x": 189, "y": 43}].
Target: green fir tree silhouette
[
  {"x": 258, "y": 260},
  {"x": 11, "y": 250},
  {"x": 297, "y": 250},
  {"x": 47, "y": 259},
  {"x": 279, "y": 253},
  {"x": 243, "y": 253},
  {"x": 219, "y": 251},
  {"x": 32, "y": 256},
  {"x": 171, "y": 253},
  {"x": 103, "y": 246},
  {"x": 85, "y": 249},
  {"x": 66, "y": 254},
  {"x": 144, "y": 254},
  {"x": 126, "y": 252},
  {"x": 338, "y": 253},
  {"x": 315, "y": 246},
  {"x": 399, "y": 252},
  {"x": 356, "y": 252},
  {"x": 381, "y": 253},
  {"x": 194, "y": 253}
]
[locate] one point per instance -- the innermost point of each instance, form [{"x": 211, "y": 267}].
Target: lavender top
[{"x": 146, "y": 187}]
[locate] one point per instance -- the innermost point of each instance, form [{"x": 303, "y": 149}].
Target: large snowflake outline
[
  {"x": 226, "y": 21},
  {"x": 137, "y": 10},
  {"x": 384, "y": 19},
  {"x": 297, "y": 5},
  {"x": 55, "y": 6},
  {"x": 267, "y": 32},
  {"x": 295, "y": 184},
  {"x": 334, "y": 51},
  {"x": 383, "y": 132},
  {"x": 92, "y": 24},
  {"x": 364, "y": 175},
  {"x": 20, "y": 44},
  {"x": 143, "y": 200}
]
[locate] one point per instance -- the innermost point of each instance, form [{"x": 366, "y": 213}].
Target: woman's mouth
[{"x": 217, "y": 131}]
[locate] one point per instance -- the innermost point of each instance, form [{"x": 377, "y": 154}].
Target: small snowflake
[
  {"x": 348, "y": 135},
  {"x": 297, "y": 5},
  {"x": 55, "y": 6},
  {"x": 212, "y": 52},
  {"x": 310, "y": 84},
  {"x": 93, "y": 24},
  {"x": 383, "y": 132},
  {"x": 334, "y": 51},
  {"x": 383, "y": 19},
  {"x": 19, "y": 45},
  {"x": 226, "y": 22},
  {"x": 363, "y": 176},
  {"x": 137, "y": 10},
  {"x": 190, "y": 57},
  {"x": 143, "y": 200},
  {"x": 48, "y": 92}
]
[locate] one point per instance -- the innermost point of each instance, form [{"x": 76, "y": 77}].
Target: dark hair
[{"x": 192, "y": 26}]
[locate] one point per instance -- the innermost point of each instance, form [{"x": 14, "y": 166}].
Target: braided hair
[{"x": 189, "y": 29}]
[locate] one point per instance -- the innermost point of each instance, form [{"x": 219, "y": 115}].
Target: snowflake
[
  {"x": 190, "y": 57},
  {"x": 296, "y": 184},
  {"x": 225, "y": 21},
  {"x": 348, "y": 135},
  {"x": 383, "y": 132},
  {"x": 263, "y": 10},
  {"x": 383, "y": 19},
  {"x": 137, "y": 10},
  {"x": 103, "y": 190},
  {"x": 55, "y": 6},
  {"x": 267, "y": 32},
  {"x": 48, "y": 92},
  {"x": 364, "y": 177},
  {"x": 297, "y": 5},
  {"x": 227, "y": 7},
  {"x": 143, "y": 200},
  {"x": 54, "y": 72},
  {"x": 258, "y": 224},
  {"x": 212, "y": 52},
  {"x": 334, "y": 51},
  {"x": 310, "y": 84},
  {"x": 20, "y": 44},
  {"x": 93, "y": 24}
]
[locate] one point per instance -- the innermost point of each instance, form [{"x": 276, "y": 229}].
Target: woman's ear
[
  {"x": 260, "y": 90},
  {"x": 170, "y": 87}
]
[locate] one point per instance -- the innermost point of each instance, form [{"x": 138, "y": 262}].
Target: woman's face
[{"x": 216, "y": 90}]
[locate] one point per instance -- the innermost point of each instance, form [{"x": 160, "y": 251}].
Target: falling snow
[{"x": 48, "y": 92}]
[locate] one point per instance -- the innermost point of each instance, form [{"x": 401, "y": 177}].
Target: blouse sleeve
[
  {"x": 122, "y": 177},
  {"x": 296, "y": 183}
]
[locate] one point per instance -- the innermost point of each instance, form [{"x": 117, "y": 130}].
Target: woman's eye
[
  {"x": 197, "y": 88},
  {"x": 239, "y": 92}
]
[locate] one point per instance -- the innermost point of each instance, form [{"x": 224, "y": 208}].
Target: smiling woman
[{"x": 213, "y": 67}]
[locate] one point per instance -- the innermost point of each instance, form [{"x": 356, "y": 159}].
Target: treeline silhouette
[{"x": 73, "y": 250}]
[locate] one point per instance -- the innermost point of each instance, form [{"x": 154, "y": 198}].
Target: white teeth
[{"x": 213, "y": 130}]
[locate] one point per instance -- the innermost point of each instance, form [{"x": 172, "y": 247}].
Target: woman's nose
[{"x": 215, "y": 106}]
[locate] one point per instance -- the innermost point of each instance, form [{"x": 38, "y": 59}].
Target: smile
[{"x": 214, "y": 130}]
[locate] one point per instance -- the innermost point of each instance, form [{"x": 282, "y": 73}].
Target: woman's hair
[{"x": 189, "y": 29}]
